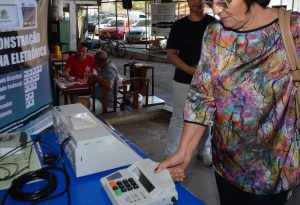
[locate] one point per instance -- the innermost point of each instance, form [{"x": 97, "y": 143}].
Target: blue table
[{"x": 87, "y": 190}]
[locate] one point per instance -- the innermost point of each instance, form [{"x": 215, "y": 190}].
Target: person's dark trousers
[{"x": 231, "y": 195}]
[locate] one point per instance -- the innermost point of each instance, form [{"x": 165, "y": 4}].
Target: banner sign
[
  {"x": 25, "y": 89},
  {"x": 163, "y": 16}
]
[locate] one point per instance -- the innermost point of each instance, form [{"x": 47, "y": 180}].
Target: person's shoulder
[
  {"x": 114, "y": 67},
  {"x": 110, "y": 67},
  {"x": 72, "y": 58},
  {"x": 215, "y": 25},
  {"x": 210, "y": 18},
  {"x": 214, "y": 29},
  {"x": 90, "y": 56},
  {"x": 182, "y": 20}
]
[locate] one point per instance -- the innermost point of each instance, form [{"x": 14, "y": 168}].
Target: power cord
[
  {"x": 41, "y": 174},
  {"x": 174, "y": 200},
  {"x": 44, "y": 193}
]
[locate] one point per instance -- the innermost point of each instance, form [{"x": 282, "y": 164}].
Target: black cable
[
  {"x": 62, "y": 150},
  {"x": 66, "y": 190},
  {"x": 67, "y": 177},
  {"x": 54, "y": 153},
  {"x": 45, "y": 192},
  {"x": 41, "y": 174},
  {"x": 7, "y": 170},
  {"x": 174, "y": 200}
]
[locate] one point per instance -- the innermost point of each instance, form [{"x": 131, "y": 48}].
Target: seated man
[
  {"x": 107, "y": 75},
  {"x": 80, "y": 64}
]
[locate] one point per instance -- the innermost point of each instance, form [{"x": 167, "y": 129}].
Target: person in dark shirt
[{"x": 183, "y": 51}]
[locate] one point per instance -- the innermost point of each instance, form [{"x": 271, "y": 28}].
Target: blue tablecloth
[{"x": 87, "y": 190}]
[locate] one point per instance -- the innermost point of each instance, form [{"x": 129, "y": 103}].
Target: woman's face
[{"x": 232, "y": 13}]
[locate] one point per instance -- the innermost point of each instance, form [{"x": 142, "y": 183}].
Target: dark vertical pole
[
  {"x": 116, "y": 5},
  {"x": 146, "y": 25},
  {"x": 128, "y": 22},
  {"x": 50, "y": 41},
  {"x": 98, "y": 10}
]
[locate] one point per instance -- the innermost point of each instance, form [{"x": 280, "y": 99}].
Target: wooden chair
[
  {"x": 133, "y": 87},
  {"x": 140, "y": 70},
  {"x": 105, "y": 98}
]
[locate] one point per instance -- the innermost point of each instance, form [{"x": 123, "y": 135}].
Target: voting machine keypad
[
  {"x": 126, "y": 186},
  {"x": 140, "y": 185}
]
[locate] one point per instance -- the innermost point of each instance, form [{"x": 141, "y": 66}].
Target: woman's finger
[
  {"x": 162, "y": 165},
  {"x": 177, "y": 174}
]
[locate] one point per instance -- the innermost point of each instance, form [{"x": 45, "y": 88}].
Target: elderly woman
[{"x": 243, "y": 84}]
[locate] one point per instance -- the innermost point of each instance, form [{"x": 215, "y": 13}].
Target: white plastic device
[
  {"x": 94, "y": 147},
  {"x": 139, "y": 185}
]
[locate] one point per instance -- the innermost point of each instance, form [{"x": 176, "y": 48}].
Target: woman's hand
[{"x": 176, "y": 164}]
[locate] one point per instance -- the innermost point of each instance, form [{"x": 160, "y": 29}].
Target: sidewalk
[{"x": 138, "y": 51}]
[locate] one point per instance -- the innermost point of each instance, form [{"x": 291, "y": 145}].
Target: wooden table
[{"x": 74, "y": 86}]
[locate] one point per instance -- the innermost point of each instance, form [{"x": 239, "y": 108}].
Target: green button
[{"x": 118, "y": 192}]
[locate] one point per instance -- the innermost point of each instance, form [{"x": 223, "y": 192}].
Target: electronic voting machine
[
  {"x": 94, "y": 147},
  {"x": 139, "y": 185}
]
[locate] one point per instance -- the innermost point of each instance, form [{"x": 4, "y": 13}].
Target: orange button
[{"x": 112, "y": 184}]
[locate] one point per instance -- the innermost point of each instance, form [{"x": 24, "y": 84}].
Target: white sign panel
[
  {"x": 163, "y": 17},
  {"x": 8, "y": 14},
  {"x": 25, "y": 92},
  {"x": 18, "y": 15}
]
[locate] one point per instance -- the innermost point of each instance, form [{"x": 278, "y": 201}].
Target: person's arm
[
  {"x": 68, "y": 67},
  {"x": 173, "y": 57},
  {"x": 178, "y": 162},
  {"x": 67, "y": 71},
  {"x": 198, "y": 111},
  {"x": 103, "y": 82}
]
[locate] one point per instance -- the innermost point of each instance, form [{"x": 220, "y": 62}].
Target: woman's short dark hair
[{"x": 262, "y": 3}]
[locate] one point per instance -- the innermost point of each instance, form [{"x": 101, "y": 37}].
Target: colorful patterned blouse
[{"x": 244, "y": 85}]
